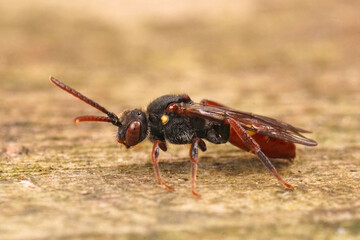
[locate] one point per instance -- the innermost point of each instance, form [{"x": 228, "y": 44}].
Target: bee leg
[
  {"x": 155, "y": 159},
  {"x": 194, "y": 156},
  {"x": 254, "y": 147}
]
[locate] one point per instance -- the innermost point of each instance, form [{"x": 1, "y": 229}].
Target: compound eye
[{"x": 133, "y": 133}]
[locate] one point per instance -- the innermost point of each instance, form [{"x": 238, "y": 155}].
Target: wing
[{"x": 251, "y": 122}]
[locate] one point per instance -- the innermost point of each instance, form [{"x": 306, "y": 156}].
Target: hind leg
[
  {"x": 249, "y": 143},
  {"x": 271, "y": 147}
]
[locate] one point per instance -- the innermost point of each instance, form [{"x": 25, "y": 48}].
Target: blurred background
[{"x": 298, "y": 61}]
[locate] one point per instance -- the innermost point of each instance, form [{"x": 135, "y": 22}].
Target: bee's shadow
[{"x": 218, "y": 165}]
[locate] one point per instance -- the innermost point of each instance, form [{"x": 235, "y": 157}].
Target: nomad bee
[{"x": 177, "y": 119}]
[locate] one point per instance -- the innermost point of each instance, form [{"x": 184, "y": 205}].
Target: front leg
[
  {"x": 155, "y": 159},
  {"x": 194, "y": 157}
]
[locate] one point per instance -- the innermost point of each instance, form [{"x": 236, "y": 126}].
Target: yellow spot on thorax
[{"x": 164, "y": 119}]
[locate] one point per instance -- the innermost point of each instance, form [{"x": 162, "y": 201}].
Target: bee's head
[{"x": 133, "y": 128}]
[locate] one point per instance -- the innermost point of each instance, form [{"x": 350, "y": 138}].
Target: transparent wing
[{"x": 251, "y": 122}]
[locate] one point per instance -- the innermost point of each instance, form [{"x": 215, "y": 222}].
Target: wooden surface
[{"x": 295, "y": 61}]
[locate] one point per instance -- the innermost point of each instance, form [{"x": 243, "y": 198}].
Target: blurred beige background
[{"x": 297, "y": 61}]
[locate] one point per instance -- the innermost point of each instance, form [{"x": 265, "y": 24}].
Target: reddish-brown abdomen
[{"x": 271, "y": 147}]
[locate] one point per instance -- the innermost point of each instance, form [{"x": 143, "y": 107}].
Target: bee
[{"x": 177, "y": 119}]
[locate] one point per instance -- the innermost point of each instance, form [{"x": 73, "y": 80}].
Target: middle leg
[{"x": 194, "y": 157}]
